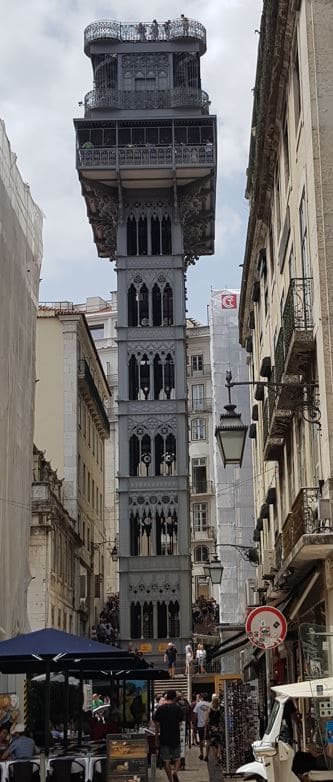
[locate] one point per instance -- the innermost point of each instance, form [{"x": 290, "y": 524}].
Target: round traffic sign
[{"x": 266, "y": 627}]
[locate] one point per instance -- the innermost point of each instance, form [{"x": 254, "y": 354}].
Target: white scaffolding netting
[
  {"x": 233, "y": 486},
  {"x": 20, "y": 261}
]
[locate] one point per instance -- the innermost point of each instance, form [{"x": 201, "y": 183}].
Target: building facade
[
  {"x": 201, "y": 468},
  {"x": 53, "y": 553},
  {"x": 146, "y": 152},
  {"x": 71, "y": 424},
  {"x": 286, "y": 318},
  {"x": 20, "y": 263},
  {"x": 101, "y": 317}
]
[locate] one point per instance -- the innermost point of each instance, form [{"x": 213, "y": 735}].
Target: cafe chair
[
  {"x": 99, "y": 770},
  {"x": 66, "y": 770},
  {"x": 24, "y": 771}
]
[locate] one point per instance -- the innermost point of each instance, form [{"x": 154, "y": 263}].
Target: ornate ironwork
[
  {"x": 123, "y": 157},
  {"x": 279, "y": 357},
  {"x": 297, "y": 313},
  {"x": 302, "y": 520},
  {"x": 168, "y": 31},
  {"x": 105, "y": 98}
]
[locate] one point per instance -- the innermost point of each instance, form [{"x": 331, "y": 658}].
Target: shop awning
[{"x": 230, "y": 645}]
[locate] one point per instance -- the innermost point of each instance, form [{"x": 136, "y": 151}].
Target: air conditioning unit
[
  {"x": 268, "y": 562},
  {"x": 252, "y": 596}
]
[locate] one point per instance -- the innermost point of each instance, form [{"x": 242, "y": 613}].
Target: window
[
  {"x": 101, "y": 506},
  {"x": 93, "y": 493},
  {"x": 79, "y": 412},
  {"x": 201, "y": 554},
  {"x": 88, "y": 486},
  {"x": 199, "y": 476},
  {"x": 286, "y": 153},
  {"x": 197, "y": 363},
  {"x": 84, "y": 480},
  {"x": 198, "y": 429},
  {"x": 79, "y": 471},
  {"x": 306, "y": 267},
  {"x": 277, "y": 203},
  {"x": 97, "y": 331},
  {"x": 200, "y": 515},
  {"x": 97, "y": 585},
  {"x": 198, "y": 397}
]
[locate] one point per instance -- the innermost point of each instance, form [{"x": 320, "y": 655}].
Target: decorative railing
[
  {"x": 265, "y": 419},
  {"x": 279, "y": 357},
  {"x": 168, "y": 156},
  {"x": 297, "y": 313},
  {"x": 202, "y": 487},
  {"x": 200, "y": 405},
  {"x": 168, "y": 31},
  {"x": 146, "y": 99},
  {"x": 302, "y": 520}
]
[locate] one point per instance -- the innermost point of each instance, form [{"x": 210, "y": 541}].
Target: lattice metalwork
[
  {"x": 167, "y": 31},
  {"x": 297, "y": 314}
]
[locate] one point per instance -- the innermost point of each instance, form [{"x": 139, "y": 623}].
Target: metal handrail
[
  {"x": 145, "y": 31},
  {"x": 159, "y": 156},
  {"x": 102, "y": 98}
]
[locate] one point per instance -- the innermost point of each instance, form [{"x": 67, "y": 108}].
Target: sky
[{"x": 44, "y": 74}]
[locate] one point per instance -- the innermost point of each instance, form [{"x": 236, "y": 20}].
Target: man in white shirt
[{"x": 200, "y": 711}]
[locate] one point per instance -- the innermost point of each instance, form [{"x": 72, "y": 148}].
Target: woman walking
[{"x": 214, "y": 730}]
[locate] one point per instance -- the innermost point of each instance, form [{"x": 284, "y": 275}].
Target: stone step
[{"x": 178, "y": 683}]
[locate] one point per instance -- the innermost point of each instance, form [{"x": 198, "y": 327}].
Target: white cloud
[{"x": 43, "y": 75}]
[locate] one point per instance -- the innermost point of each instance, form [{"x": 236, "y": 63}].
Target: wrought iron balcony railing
[
  {"x": 279, "y": 356},
  {"x": 202, "y": 487},
  {"x": 151, "y": 156},
  {"x": 146, "y": 99},
  {"x": 106, "y": 30},
  {"x": 200, "y": 405},
  {"x": 297, "y": 313},
  {"x": 302, "y": 519}
]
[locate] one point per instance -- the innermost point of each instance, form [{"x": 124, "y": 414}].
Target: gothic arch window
[
  {"x": 162, "y": 621},
  {"x": 141, "y": 534},
  {"x": 148, "y": 620},
  {"x": 167, "y": 302},
  {"x": 143, "y": 306},
  {"x": 139, "y": 455},
  {"x": 132, "y": 239},
  {"x": 132, "y": 306},
  {"x": 135, "y": 620},
  {"x": 164, "y": 377},
  {"x": 166, "y": 533},
  {"x": 174, "y": 620},
  {"x": 201, "y": 554},
  {"x": 155, "y": 228},
  {"x": 157, "y": 305},
  {"x": 133, "y": 378},
  {"x": 165, "y": 454},
  {"x": 142, "y": 235},
  {"x": 166, "y": 235},
  {"x": 162, "y": 80}
]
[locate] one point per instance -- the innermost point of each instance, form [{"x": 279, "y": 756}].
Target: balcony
[
  {"x": 203, "y": 405},
  {"x": 169, "y": 157},
  {"x": 298, "y": 326},
  {"x": 204, "y": 534},
  {"x": 177, "y": 29},
  {"x": 306, "y": 536},
  {"x": 129, "y": 100},
  {"x": 93, "y": 399},
  {"x": 202, "y": 487}
]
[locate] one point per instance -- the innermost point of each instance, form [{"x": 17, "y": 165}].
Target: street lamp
[
  {"x": 215, "y": 569},
  {"x": 231, "y": 432}
]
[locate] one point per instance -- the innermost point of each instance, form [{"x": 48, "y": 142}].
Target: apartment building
[
  {"x": 286, "y": 319},
  {"x": 53, "y": 552},
  {"x": 71, "y": 425},
  {"x": 20, "y": 262},
  {"x": 201, "y": 467},
  {"x": 101, "y": 317}
]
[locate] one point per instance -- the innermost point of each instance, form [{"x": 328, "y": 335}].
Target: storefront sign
[
  {"x": 162, "y": 647},
  {"x": 266, "y": 627},
  {"x": 145, "y": 648}
]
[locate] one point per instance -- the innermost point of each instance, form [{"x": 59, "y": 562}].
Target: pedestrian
[
  {"x": 185, "y": 24},
  {"x": 200, "y": 657},
  {"x": 170, "y": 658},
  {"x": 168, "y": 719},
  {"x": 21, "y": 747},
  {"x": 200, "y": 712},
  {"x": 142, "y": 31},
  {"x": 154, "y": 30},
  {"x": 167, "y": 28},
  {"x": 214, "y": 729},
  {"x": 188, "y": 659},
  {"x": 194, "y": 720}
]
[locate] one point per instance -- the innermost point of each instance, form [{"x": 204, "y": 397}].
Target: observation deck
[{"x": 144, "y": 32}]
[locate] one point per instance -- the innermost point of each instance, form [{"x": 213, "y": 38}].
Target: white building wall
[
  {"x": 233, "y": 485},
  {"x": 20, "y": 261}
]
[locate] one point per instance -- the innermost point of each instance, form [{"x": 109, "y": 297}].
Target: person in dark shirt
[
  {"x": 170, "y": 658},
  {"x": 167, "y": 720}
]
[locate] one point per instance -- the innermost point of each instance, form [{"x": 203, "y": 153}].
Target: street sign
[{"x": 266, "y": 627}]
